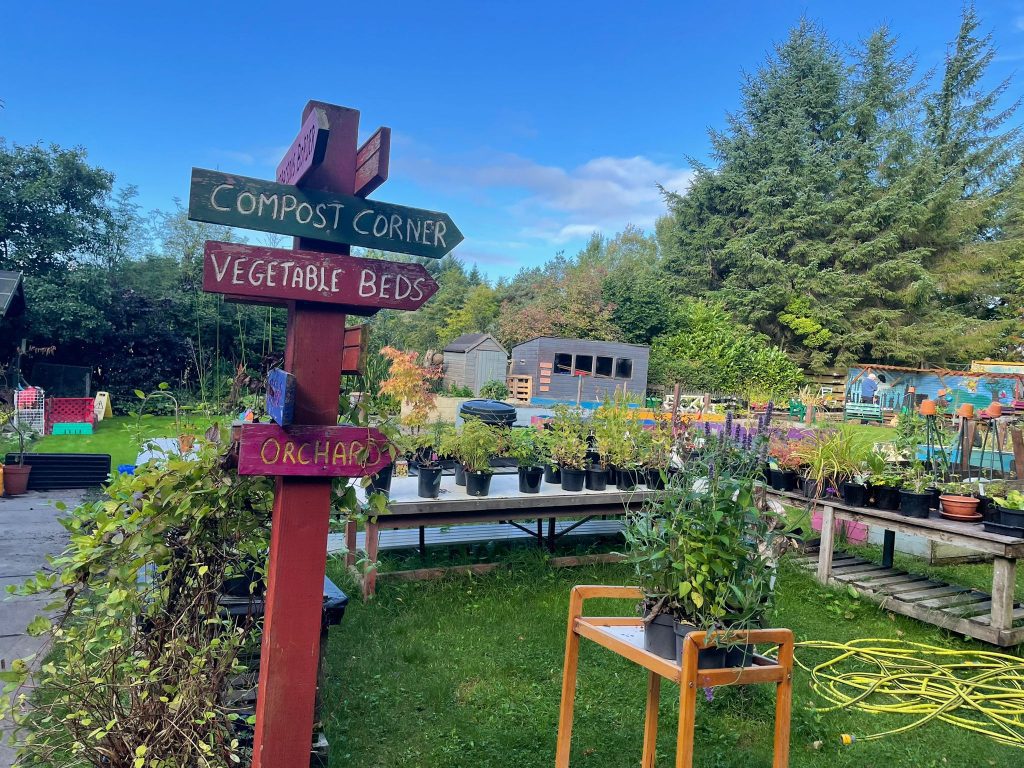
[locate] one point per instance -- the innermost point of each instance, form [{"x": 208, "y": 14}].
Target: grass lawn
[
  {"x": 467, "y": 672},
  {"x": 117, "y": 436}
]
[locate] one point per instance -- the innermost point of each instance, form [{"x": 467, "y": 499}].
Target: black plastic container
[
  {"x": 887, "y": 497},
  {"x": 655, "y": 481},
  {"x": 1003, "y": 530},
  {"x": 529, "y": 479},
  {"x": 573, "y": 479},
  {"x": 855, "y": 494},
  {"x": 478, "y": 483},
  {"x": 612, "y": 475},
  {"x": 552, "y": 474},
  {"x": 782, "y": 479},
  {"x": 1011, "y": 517},
  {"x": 597, "y": 479},
  {"x": 460, "y": 474},
  {"x": 664, "y": 636},
  {"x": 429, "y": 484},
  {"x": 988, "y": 510},
  {"x": 935, "y": 492},
  {"x": 493, "y": 412},
  {"x": 381, "y": 482},
  {"x": 625, "y": 479},
  {"x": 915, "y": 504}
]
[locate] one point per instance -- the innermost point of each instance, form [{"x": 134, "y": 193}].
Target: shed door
[{"x": 490, "y": 366}]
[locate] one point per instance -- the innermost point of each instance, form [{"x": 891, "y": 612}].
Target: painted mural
[{"x": 900, "y": 388}]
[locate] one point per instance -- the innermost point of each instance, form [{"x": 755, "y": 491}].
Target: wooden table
[
  {"x": 504, "y": 504},
  {"x": 941, "y": 604},
  {"x": 624, "y": 636}
]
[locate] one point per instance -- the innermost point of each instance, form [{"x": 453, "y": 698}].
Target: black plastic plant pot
[
  {"x": 552, "y": 474},
  {"x": 935, "y": 492},
  {"x": 1014, "y": 517},
  {"x": 664, "y": 636},
  {"x": 612, "y": 474},
  {"x": 381, "y": 482},
  {"x": 776, "y": 479},
  {"x": 573, "y": 479},
  {"x": 529, "y": 479},
  {"x": 593, "y": 457},
  {"x": 625, "y": 479},
  {"x": 660, "y": 636},
  {"x": 855, "y": 494},
  {"x": 478, "y": 483},
  {"x": 429, "y": 482},
  {"x": 988, "y": 510},
  {"x": 597, "y": 479},
  {"x": 887, "y": 497},
  {"x": 810, "y": 488},
  {"x": 460, "y": 474},
  {"x": 915, "y": 504},
  {"x": 655, "y": 481}
]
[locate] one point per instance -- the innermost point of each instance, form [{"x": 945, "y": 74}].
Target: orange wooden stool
[{"x": 624, "y": 636}]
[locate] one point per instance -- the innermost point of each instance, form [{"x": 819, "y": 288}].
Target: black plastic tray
[{"x": 1004, "y": 530}]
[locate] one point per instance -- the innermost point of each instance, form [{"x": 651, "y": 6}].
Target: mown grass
[{"x": 467, "y": 672}]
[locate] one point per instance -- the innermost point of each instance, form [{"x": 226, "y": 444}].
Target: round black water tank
[{"x": 493, "y": 412}]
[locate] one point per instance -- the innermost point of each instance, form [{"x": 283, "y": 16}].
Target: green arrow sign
[{"x": 238, "y": 201}]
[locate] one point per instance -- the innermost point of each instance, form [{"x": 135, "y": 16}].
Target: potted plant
[
  {"x": 524, "y": 445},
  {"x": 832, "y": 457},
  {"x": 783, "y": 460},
  {"x": 915, "y": 498},
  {"x": 15, "y": 475},
  {"x": 656, "y": 454},
  {"x": 473, "y": 448},
  {"x": 569, "y": 448},
  {"x": 885, "y": 489},
  {"x": 702, "y": 554},
  {"x": 626, "y": 457},
  {"x": 958, "y": 500},
  {"x": 1011, "y": 509},
  {"x": 427, "y": 444},
  {"x": 605, "y": 429},
  {"x": 988, "y": 489}
]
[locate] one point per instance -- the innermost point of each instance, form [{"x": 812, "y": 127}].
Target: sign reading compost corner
[
  {"x": 312, "y": 451},
  {"x": 240, "y": 201}
]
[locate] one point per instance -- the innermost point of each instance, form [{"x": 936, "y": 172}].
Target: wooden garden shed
[
  {"x": 474, "y": 359},
  {"x": 549, "y": 369}
]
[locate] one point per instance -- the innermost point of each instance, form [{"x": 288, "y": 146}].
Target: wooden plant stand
[{"x": 624, "y": 636}]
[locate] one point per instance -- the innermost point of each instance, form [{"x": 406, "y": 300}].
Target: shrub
[{"x": 494, "y": 390}]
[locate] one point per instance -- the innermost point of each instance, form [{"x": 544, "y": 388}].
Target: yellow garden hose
[{"x": 981, "y": 691}]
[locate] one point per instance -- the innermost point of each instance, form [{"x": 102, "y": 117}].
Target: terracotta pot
[
  {"x": 995, "y": 409},
  {"x": 967, "y": 410},
  {"x": 928, "y": 408},
  {"x": 16, "y": 479},
  {"x": 960, "y": 506}
]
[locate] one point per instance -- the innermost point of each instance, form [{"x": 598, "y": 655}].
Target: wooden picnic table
[
  {"x": 503, "y": 504},
  {"x": 988, "y": 617}
]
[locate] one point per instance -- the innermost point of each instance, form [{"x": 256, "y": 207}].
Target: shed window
[
  {"x": 563, "y": 363},
  {"x": 584, "y": 364},
  {"x": 623, "y": 368},
  {"x": 605, "y": 366}
]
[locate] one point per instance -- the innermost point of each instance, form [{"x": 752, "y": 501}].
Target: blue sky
[{"x": 531, "y": 123}]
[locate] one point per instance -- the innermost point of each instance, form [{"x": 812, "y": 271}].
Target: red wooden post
[{"x": 298, "y": 544}]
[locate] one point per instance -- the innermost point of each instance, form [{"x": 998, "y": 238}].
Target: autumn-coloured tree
[{"x": 411, "y": 383}]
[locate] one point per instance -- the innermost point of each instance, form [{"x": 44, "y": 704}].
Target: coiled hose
[{"x": 981, "y": 691}]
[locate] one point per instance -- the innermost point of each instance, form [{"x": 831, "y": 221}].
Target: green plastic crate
[{"x": 73, "y": 428}]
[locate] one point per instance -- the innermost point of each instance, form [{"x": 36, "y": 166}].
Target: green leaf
[{"x": 140, "y": 394}]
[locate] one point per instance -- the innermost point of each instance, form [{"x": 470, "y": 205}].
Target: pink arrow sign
[
  {"x": 276, "y": 275},
  {"x": 372, "y": 161},
  {"x": 312, "y": 451},
  {"x": 307, "y": 151}
]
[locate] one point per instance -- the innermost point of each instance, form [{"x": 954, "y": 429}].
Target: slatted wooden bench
[
  {"x": 863, "y": 411},
  {"x": 994, "y": 617}
]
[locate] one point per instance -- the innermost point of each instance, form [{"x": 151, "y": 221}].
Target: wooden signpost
[
  {"x": 276, "y": 275},
  {"x": 240, "y": 201},
  {"x": 319, "y": 199}
]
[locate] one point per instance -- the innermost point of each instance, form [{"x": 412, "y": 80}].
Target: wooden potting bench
[
  {"x": 993, "y": 617},
  {"x": 503, "y": 504},
  {"x": 625, "y": 636}
]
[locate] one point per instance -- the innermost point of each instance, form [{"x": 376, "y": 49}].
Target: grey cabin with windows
[
  {"x": 474, "y": 359},
  {"x": 557, "y": 367}
]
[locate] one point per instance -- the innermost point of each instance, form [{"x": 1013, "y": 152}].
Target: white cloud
[{"x": 560, "y": 204}]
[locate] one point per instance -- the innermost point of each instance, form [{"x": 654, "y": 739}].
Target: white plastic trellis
[{"x": 30, "y": 410}]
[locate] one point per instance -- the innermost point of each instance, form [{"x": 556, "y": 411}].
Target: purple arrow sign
[{"x": 307, "y": 151}]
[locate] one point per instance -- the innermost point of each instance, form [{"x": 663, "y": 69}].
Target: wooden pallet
[
  {"x": 950, "y": 606},
  {"x": 520, "y": 388}
]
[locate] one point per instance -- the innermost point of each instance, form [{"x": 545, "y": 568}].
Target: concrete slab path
[{"x": 29, "y": 531}]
